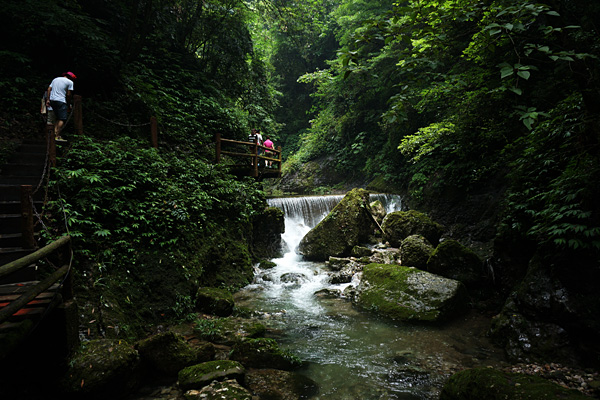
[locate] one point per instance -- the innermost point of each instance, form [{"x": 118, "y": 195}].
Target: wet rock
[
  {"x": 265, "y": 264},
  {"x": 455, "y": 261},
  {"x": 226, "y": 390},
  {"x": 264, "y": 353},
  {"x": 266, "y": 234},
  {"x": 168, "y": 353},
  {"x": 344, "y": 276},
  {"x": 214, "y": 301},
  {"x": 328, "y": 293},
  {"x": 103, "y": 369},
  {"x": 408, "y": 294},
  {"x": 398, "y": 225},
  {"x": 491, "y": 384},
  {"x": 347, "y": 225},
  {"x": 415, "y": 250},
  {"x": 199, "y": 375},
  {"x": 280, "y": 385},
  {"x": 228, "y": 331},
  {"x": 337, "y": 263},
  {"x": 378, "y": 211},
  {"x": 294, "y": 278}
]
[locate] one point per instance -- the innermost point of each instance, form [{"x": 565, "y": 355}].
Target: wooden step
[
  {"x": 23, "y": 169},
  {"x": 12, "y": 192},
  {"x": 14, "y": 206}
]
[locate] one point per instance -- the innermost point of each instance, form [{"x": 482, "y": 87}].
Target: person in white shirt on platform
[{"x": 60, "y": 94}]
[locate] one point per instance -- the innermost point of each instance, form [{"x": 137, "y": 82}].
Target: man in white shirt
[{"x": 60, "y": 94}]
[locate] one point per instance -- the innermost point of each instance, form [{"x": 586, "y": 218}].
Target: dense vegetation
[{"x": 440, "y": 100}]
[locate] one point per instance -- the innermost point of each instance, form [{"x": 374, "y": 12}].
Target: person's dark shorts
[{"x": 61, "y": 110}]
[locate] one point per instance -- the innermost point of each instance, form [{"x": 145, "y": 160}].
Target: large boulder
[
  {"x": 103, "y": 369},
  {"x": 491, "y": 384},
  {"x": 415, "y": 250},
  {"x": 408, "y": 294},
  {"x": 214, "y": 301},
  {"x": 168, "y": 353},
  {"x": 266, "y": 234},
  {"x": 455, "y": 261},
  {"x": 281, "y": 385},
  {"x": 378, "y": 211},
  {"x": 263, "y": 353},
  {"x": 200, "y": 375},
  {"x": 398, "y": 225},
  {"x": 350, "y": 223}
]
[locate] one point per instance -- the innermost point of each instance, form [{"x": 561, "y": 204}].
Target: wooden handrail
[
  {"x": 33, "y": 257},
  {"x": 253, "y": 146}
]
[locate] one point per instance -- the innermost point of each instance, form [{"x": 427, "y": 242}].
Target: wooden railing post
[
  {"x": 279, "y": 163},
  {"x": 218, "y": 148},
  {"x": 154, "y": 132},
  {"x": 255, "y": 159},
  {"x": 28, "y": 240},
  {"x": 77, "y": 114}
]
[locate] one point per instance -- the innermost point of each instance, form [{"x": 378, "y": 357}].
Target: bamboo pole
[
  {"x": 33, "y": 257},
  {"x": 22, "y": 301},
  {"x": 77, "y": 114},
  {"x": 154, "y": 132}
]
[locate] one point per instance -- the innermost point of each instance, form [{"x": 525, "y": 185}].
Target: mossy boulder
[
  {"x": 408, "y": 294},
  {"x": 415, "y": 250},
  {"x": 168, "y": 353},
  {"x": 199, "y": 375},
  {"x": 226, "y": 390},
  {"x": 347, "y": 225},
  {"x": 455, "y": 261},
  {"x": 214, "y": 301},
  {"x": 281, "y": 385},
  {"x": 267, "y": 229},
  {"x": 361, "y": 251},
  {"x": 398, "y": 225},
  {"x": 103, "y": 369},
  {"x": 491, "y": 384},
  {"x": 264, "y": 353}
]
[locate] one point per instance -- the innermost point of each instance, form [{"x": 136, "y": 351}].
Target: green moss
[
  {"x": 197, "y": 376},
  {"x": 264, "y": 353},
  {"x": 491, "y": 384}
]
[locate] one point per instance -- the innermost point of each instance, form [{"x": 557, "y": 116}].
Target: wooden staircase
[{"x": 19, "y": 177}]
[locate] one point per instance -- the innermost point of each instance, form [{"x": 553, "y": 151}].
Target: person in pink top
[{"x": 268, "y": 143}]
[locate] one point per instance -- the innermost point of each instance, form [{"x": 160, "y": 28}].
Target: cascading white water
[{"x": 352, "y": 354}]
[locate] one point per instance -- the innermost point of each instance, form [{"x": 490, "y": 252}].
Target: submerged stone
[
  {"x": 347, "y": 225},
  {"x": 408, "y": 294},
  {"x": 263, "y": 353},
  {"x": 491, "y": 384}
]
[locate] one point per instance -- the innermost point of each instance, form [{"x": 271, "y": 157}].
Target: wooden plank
[
  {"x": 33, "y": 257},
  {"x": 229, "y": 153},
  {"x": 22, "y": 287}
]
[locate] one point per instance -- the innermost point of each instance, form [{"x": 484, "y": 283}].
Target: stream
[{"x": 352, "y": 354}]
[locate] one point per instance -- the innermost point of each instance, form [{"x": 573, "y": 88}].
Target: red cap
[{"x": 70, "y": 74}]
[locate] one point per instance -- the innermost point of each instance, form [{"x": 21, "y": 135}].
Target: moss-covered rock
[
  {"x": 415, "y": 250},
  {"x": 408, "y": 294},
  {"x": 455, "y": 261},
  {"x": 167, "y": 353},
  {"x": 214, "y": 301},
  {"x": 228, "y": 331},
  {"x": 199, "y": 375},
  {"x": 266, "y": 234},
  {"x": 491, "y": 384},
  {"x": 103, "y": 369},
  {"x": 346, "y": 226},
  {"x": 226, "y": 390},
  {"x": 398, "y": 225},
  {"x": 264, "y": 353},
  {"x": 281, "y": 385}
]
